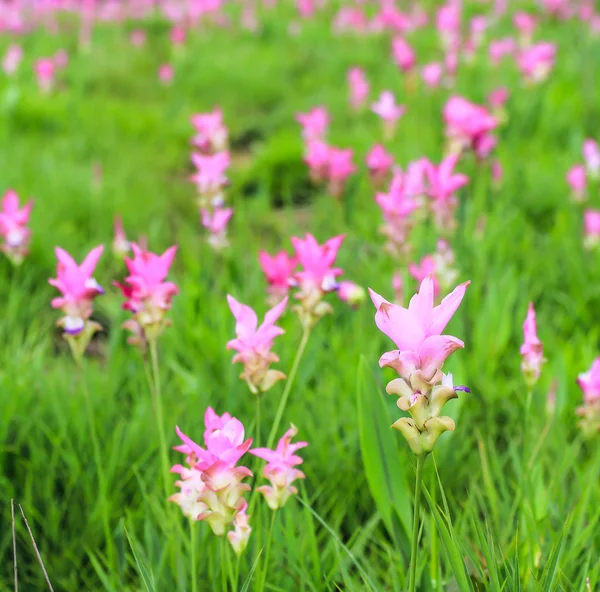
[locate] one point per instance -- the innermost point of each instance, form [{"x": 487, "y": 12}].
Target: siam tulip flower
[
  {"x": 591, "y": 155},
  {"x": 498, "y": 97},
  {"x": 254, "y": 343},
  {"x": 13, "y": 227},
  {"x": 589, "y": 382},
  {"x": 478, "y": 26},
  {"x": 278, "y": 270},
  {"x": 210, "y": 177},
  {"x": 532, "y": 350},
  {"x": 44, "y": 71},
  {"x": 447, "y": 23},
  {"x": 121, "y": 246},
  {"x": 350, "y": 18},
  {"x": 577, "y": 180},
  {"x": 137, "y": 38},
  {"x": 451, "y": 65},
  {"x": 403, "y": 54},
  {"x": 306, "y": 8},
  {"x": 177, "y": 35},
  {"x": 379, "y": 162},
  {"x": 166, "y": 73},
  {"x": 314, "y": 124},
  {"x": 501, "y": 48},
  {"x": 148, "y": 296},
  {"x": 280, "y": 469},
  {"x": 536, "y": 61},
  {"x": 12, "y": 59},
  {"x": 211, "y": 485},
  {"x": 239, "y": 536},
  {"x": 525, "y": 23},
  {"x": 422, "y": 351},
  {"x": 398, "y": 287},
  {"x": 443, "y": 185},
  {"x": 316, "y": 277},
  {"x": 426, "y": 267},
  {"x": 591, "y": 227},
  {"x": 432, "y": 74},
  {"x": 359, "y": 87},
  {"x": 78, "y": 289},
  {"x": 468, "y": 126},
  {"x": 351, "y": 293},
  {"x": 388, "y": 110},
  {"x": 211, "y": 133},
  {"x": 216, "y": 223},
  {"x": 339, "y": 169},
  {"x": 317, "y": 160}
]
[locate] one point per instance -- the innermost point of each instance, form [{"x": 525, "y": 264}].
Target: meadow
[{"x": 510, "y": 498}]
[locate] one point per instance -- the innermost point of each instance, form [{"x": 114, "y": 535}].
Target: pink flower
[
  {"x": 447, "y": 23},
  {"x": 13, "y": 227},
  {"x": 498, "y": 97},
  {"x": 166, "y": 73},
  {"x": 120, "y": 246},
  {"x": 427, "y": 267},
  {"x": 350, "y": 18},
  {"x": 591, "y": 226},
  {"x": 403, "y": 54},
  {"x": 253, "y": 344},
  {"x": 239, "y": 537},
  {"x": 351, "y": 293},
  {"x": 177, "y": 35},
  {"x": 500, "y": 48},
  {"x": 416, "y": 331},
  {"x": 468, "y": 125},
  {"x": 525, "y": 23},
  {"x": 589, "y": 382},
  {"x": 443, "y": 185},
  {"x": 78, "y": 289},
  {"x": 210, "y": 176},
  {"x": 280, "y": 469},
  {"x": 137, "y": 38},
  {"x": 432, "y": 74},
  {"x": 216, "y": 223},
  {"x": 211, "y": 133},
  {"x": 211, "y": 486},
  {"x": 317, "y": 159},
  {"x": 379, "y": 162},
  {"x": 278, "y": 270},
  {"x": 359, "y": 87},
  {"x": 339, "y": 169},
  {"x": 314, "y": 124},
  {"x": 532, "y": 349},
  {"x": 591, "y": 155},
  {"x": 497, "y": 173},
  {"x": 386, "y": 107},
  {"x": 12, "y": 59},
  {"x": 45, "y": 70},
  {"x": 148, "y": 296},
  {"x": 536, "y": 61},
  {"x": 61, "y": 59},
  {"x": 576, "y": 178}
]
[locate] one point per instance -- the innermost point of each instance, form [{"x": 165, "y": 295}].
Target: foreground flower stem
[
  {"x": 263, "y": 580},
  {"x": 415, "y": 537},
  {"x": 97, "y": 459},
  {"x": 257, "y": 426},
  {"x": 158, "y": 409},
  {"x": 288, "y": 387},
  {"x": 224, "y": 584},
  {"x": 193, "y": 556}
]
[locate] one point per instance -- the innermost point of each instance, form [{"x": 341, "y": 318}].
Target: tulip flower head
[
  {"x": 339, "y": 169},
  {"x": 13, "y": 227},
  {"x": 536, "y": 61},
  {"x": 432, "y": 74},
  {"x": 403, "y": 54},
  {"x": 78, "y": 290},
  {"x": 278, "y": 270},
  {"x": 591, "y": 155},
  {"x": 379, "y": 162},
  {"x": 577, "y": 180},
  {"x": 210, "y": 178},
  {"x": 280, "y": 469},
  {"x": 239, "y": 536},
  {"x": 12, "y": 59},
  {"x": 589, "y": 382},
  {"x": 148, "y": 296},
  {"x": 211, "y": 133},
  {"x": 211, "y": 485},
  {"x": 532, "y": 349},
  {"x": 316, "y": 157},
  {"x": 389, "y": 111},
  {"x": 45, "y": 70},
  {"x": 591, "y": 227},
  {"x": 422, "y": 351},
  {"x": 166, "y": 73},
  {"x": 314, "y": 124},
  {"x": 216, "y": 223},
  {"x": 351, "y": 293},
  {"x": 253, "y": 345},
  {"x": 121, "y": 247},
  {"x": 316, "y": 277},
  {"x": 501, "y": 48},
  {"x": 359, "y": 87},
  {"x": 427, "y": 267}
]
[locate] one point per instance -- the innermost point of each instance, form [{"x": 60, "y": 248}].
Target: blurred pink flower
[
  {"x": 532, "y": 349},
  {"x": 211, "y": 133},
  {"x": 589, "y": 382},
  {"x": 501, "y": 48},
  {"x": 147, "y": 295},
  {"x": 427, "y": 267},
  {"x": 591, "y": 227},
  {"x": 280, "y": 469},
  {"x": 339, "y": 169},
  {"x": 350, "y": 18},
  {"x": 12, "y": 59},
  {"x": 387, "y": 108},
  {"x": 591, "y": 155},
  {"x": 238, "y": 538},
  {"x": 45, "y": 70},
  {"x": 13, "y": 227},
  {"x": 577, "y": 180},
  {"x": 278, "y": 270},
  {"x": 314, "y": 124},
  {"x": 166, "y": 73},
  {"x": 210, "y": 177},
  {"x": 359, "y": 87},
  {"x": 447, "y": 23},
  {"x": 137, "y": 37},
  {"x": 432, "y": 74},
  {"x": 61, "y": 59},
  {"x": 351, "y": 293},
  {"x": 216, "y": 222},
  {"x": 498, "y": 97},
  {"x": 253, "y": 344},
  {"x": 536, "y": 61},
  {"x": 525, "y": 23},
  {"x": 403, "y": 54},
  {"x": 78, "y": 289},
  {"x": 177, "y": 35},
  {"x": 379, "y": 162},
  {"x": 317, "y": 159},
  {"x": 121, "y": 246}
]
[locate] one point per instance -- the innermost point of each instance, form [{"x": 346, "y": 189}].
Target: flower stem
[
  {"x": 415, "y": 542},
  {"x": 268, "y": 551},
  {"x": 257, "y": 426},
  {"x": 193, "y": 555},
  {"x": 158, "y": 409},
  {"x": 288, "y": 387},
  {"x": 224, "y": 584}
]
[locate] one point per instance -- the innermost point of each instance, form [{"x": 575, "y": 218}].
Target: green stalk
[
  {"x": 193, "y": 556},
  {"x": 268, "y": 551},
  {"x": 224, "y": 585},
  {"x": 257, "y": 426},
  {"x": 288, "y": 387},
  {"x": 415, "y": 537}
]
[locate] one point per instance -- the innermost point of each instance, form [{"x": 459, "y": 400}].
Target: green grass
[{"x": 520, "y": 504}]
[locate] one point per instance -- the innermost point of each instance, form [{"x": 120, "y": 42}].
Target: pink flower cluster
[
  {"x": 212, "y": 161},
  {"x": 532, "y": 349},
  {"x": 422, "y": 351},
  {"x": 13, "y": 227},
  {"x": 327, "y": 164}
]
